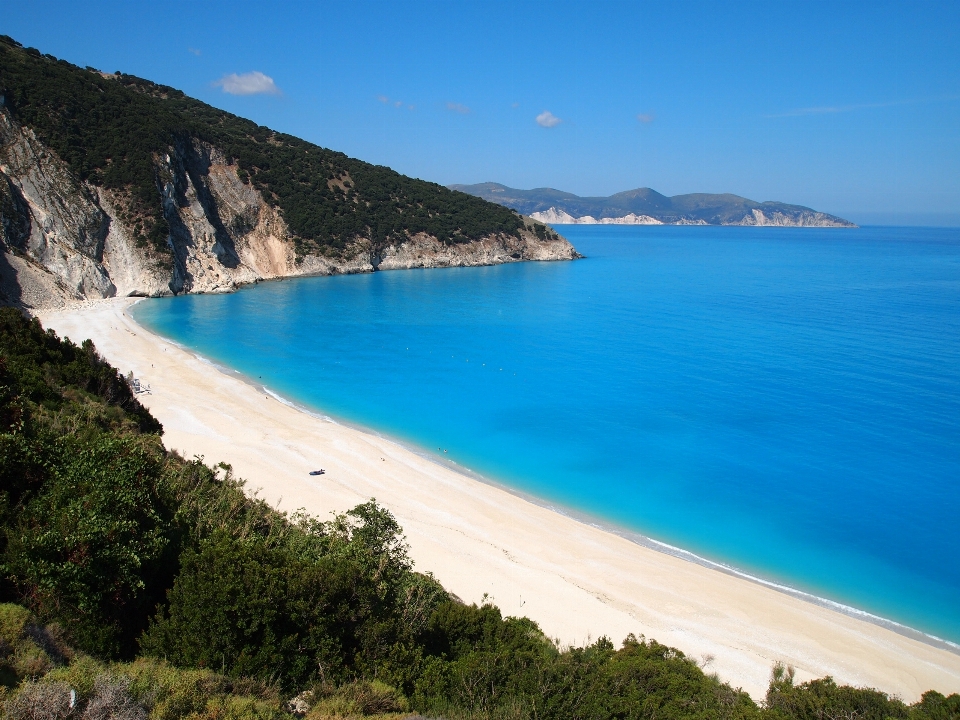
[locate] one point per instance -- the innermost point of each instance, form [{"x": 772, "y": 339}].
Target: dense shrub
[
  {"x": 93, "y": 547},
  {"x": 57, "y": 375},
  {"x": 88, "y": 690},
  {"x": 39, "y": 701},
  {"x": 244, "y": 608},
  {"x": 28, "y": 650}
]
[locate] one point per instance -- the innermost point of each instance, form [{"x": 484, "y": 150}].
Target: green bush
[
  {"x": 144, "y": 688},
  {"x": 819, "y": 698},
  {"x": 243, "y": 608},
  {"x": 55, "y": 375},
  {"x": 91, "y": 548},
  {"x": 359, "y": 698},
  {"x": 27, "y": 649}
]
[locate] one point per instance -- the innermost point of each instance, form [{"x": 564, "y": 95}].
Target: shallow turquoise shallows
[{"x": 785, "y": 401}]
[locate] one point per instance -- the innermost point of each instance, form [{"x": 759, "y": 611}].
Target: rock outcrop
[
  {"x": 553, "y": 216},
  {"x": 806, "y": 218},
  {"x": 65, "y": 240},
  {"x": 48, "y": 219}
]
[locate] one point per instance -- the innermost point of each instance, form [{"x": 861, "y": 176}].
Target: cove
[{"x": 784, "y": 401}]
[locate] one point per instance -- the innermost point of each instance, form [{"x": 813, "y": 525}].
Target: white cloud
[
  {"x": 645, "y": 117},
  {"x": 547, "y": 119},
  {"x": 396, "y": 103},
  {"x": 458, "y": 108},
  {"x": 251, "y": 83},
  {"x": 194, "y": 51}
]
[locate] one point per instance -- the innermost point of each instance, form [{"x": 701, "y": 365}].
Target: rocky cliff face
[
  {"x": 560, "y": 217},
  {"x": 65, "y": 240},
  {"x": 48, "y": 219},
  {"x": 805, "y": 218}
]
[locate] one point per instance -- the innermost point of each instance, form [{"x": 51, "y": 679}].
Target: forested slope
[
  {"x": 110, "y": 128},
  {"x": 118, "y": 186}
]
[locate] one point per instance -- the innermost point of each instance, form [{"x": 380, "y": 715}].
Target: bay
[{"x": 785, "y": 401}]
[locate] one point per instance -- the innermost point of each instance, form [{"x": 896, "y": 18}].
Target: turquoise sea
[{"x": 783, "y": 401}]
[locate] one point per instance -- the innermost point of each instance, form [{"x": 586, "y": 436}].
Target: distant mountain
[{"x": 644, "y": 206}]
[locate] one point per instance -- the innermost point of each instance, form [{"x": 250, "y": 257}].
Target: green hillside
[{"x": 112, "y": 129}]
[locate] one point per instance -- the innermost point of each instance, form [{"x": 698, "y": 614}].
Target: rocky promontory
[
  {"x": 113, "y": 186},
  {"x": 64, "y": 239}
]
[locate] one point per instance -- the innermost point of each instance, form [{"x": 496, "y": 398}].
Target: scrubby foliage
[
  {"x": 91, "y": 690},
  {"x": 137, "y": 584},
  {"x": 57, "y": 377},
  {"x": 114, "y": 130},
  {"x": 823, "y": 698}
]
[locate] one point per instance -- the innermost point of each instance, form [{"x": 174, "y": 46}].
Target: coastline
[
  {"x": 579, "y": 516},
  {"x": 576, "y": 578},
  {"x": 570, "y": 512}
]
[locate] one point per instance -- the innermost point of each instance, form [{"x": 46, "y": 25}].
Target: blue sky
[{"x": 849, "y": 107}]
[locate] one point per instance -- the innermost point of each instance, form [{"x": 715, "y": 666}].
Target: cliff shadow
[
  {"x": 11, "y": 293},
  {"x": 197, "y": 166}
]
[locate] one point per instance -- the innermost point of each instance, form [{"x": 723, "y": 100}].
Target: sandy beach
[{"x": 576, "y": 580}]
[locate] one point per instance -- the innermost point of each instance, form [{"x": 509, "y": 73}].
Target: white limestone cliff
[
  {"x": 553, "y": 216},
  {"x": 807, "y": 218}
]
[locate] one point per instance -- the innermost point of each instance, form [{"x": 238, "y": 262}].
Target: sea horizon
[{"x": 168, "y": 323}]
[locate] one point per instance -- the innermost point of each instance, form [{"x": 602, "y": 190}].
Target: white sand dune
[{"x": 577, "y": 581}]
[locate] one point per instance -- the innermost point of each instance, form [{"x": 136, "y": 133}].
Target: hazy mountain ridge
[
  {"x": 114, "y": 185},
  {"x": 644, "y": 206}
]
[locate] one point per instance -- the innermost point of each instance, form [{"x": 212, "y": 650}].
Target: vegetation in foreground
[{"x": 135, "y": 584}]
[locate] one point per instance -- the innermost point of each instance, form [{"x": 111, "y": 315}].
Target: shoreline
[
  {"x": 577, "y": 515},
  {"x": 573, "y": 513},
  {"x": 746, "y": 624}
]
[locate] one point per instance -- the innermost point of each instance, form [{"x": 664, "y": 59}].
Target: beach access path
[{"x": 577, "y": 581}]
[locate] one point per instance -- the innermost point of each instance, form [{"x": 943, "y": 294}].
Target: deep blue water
[{"x": 786, "y": 401}]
